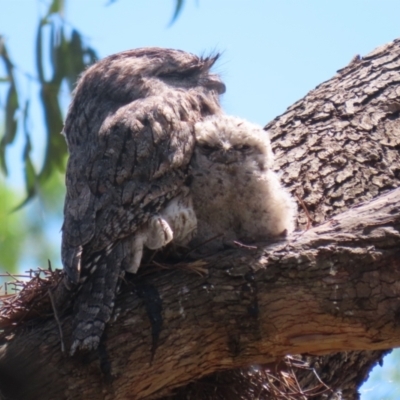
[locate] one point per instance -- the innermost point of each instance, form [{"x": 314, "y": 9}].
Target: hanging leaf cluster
[{"x": 64, "y": 50}]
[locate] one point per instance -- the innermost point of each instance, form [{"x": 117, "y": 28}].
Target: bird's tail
[{"x": 94, "y": 303}]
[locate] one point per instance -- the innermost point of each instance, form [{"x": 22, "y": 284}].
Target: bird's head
[{"x": 228, "y": 140}]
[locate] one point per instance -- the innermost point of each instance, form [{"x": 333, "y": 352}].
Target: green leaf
[
  {"x": 11, "y": 124},
  {"x": 12, "y": 105},
  {"x": 178, "y": 9},
  {"x": 39, "y": 52},
  {"x": 30, "y": 173},
  {"x": 58, "y": 50},
  {"x": 11, "y": 108},
  {"x": 76, "y": 56},
  {"x": 30, "y": 183},
  {"x": 29, "y": 169},
  {"x": 69, "y": 57},
  {"x": 56, "y": 7},
  {"x": 56, "y": 149}
]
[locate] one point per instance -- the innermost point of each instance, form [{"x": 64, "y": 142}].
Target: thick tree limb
[
  {"x": 339, "y": 145},
  {"x": 331, "y": 288}
]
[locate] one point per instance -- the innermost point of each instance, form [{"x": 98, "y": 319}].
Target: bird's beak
[{"x": 224, "y": 156}]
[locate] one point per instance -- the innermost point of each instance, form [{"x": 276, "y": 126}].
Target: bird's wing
[{"x": 136, "y": 163}]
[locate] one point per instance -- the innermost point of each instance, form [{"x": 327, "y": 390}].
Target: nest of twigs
[{"x": 27, "y": 296}]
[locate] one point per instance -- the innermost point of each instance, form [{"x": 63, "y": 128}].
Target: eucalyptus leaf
[
  {"x": 39, "y": 53},
  {"x": 76, "y": 55},
  {"x": 30, "y": 182},
  {"x": 30, "y": 173},
  {"x": 60, "y": 58},
  {"x": 56, "y": 7},
  {"x": 178, "y": 9},
  {"x": 56, "y": 149},
  {"x": 11, "y": 124},
  {"x": 11, "y": 108}
]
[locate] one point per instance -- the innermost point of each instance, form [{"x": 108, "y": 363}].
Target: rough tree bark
[{"x": 330, "y": 289}]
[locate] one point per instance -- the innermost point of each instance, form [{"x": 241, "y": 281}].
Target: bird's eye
[
  {"x": 206, "y": 147},
  {"x": 242, "y": 147}
]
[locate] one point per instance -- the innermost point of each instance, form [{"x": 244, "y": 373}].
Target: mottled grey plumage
[
  {"x": 236, "y": 194},
  {"x": 130, "y": 134},
  {"x": 153, "y": 160}
]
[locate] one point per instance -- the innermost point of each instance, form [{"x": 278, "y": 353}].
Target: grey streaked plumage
[
  {"x": 130, "y": 134},
  {"x": 153, "y": 160}
]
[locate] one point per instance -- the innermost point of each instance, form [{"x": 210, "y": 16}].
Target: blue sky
[{"x": 273, "y": 52}]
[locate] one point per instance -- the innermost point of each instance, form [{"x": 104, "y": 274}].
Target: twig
[
  {"x": 204, "y": 243},
  {"x": 244, "y": 246},
  {"x": 309, "y": 219},
  {"x": 57, "y": 320}
]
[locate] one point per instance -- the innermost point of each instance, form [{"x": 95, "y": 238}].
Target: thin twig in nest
[
  {"x": 30, "y": 296},
  {"x": 203, "y": 244},
  {"x": 57, "y": 320}
]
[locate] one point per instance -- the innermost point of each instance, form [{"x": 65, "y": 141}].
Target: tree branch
[{"x": 331, "y": 288}]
